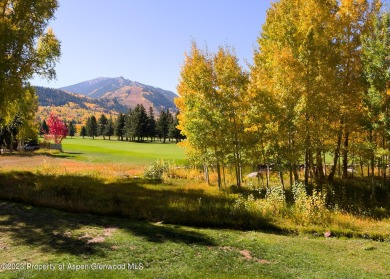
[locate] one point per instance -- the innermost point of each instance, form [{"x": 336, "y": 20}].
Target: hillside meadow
[{"x": 92, "y": 208}]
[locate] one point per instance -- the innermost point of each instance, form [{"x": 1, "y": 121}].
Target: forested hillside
[{"x": 57, "y": 97}]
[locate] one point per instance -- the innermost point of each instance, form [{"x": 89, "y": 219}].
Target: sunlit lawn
[{"x": 99, "y": 150}]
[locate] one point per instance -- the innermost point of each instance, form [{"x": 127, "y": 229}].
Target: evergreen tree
[
  {"x": 83, "y": 131},
  {"x": 92, "y": 127},
  {"x": 128, "y": 130},
  {"x": 71, "y": 129},
  {"x": 151, "y": 125},
  {"x": 142, "y": 123},
  {"x": 136, "y": 123},
  {"x": 109, "y": 131},
  {"x": 119, "y": 126},
  {"x": 173, "y": 131},
  {"x": 163, "y": 125},
  {"x": 101, "y": 128},
  {"x": 44, "y": 129}
]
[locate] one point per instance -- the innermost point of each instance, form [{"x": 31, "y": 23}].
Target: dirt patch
[
  {"x": 99, "y": 238},
  {"x": 245, "y": 254},
  {"x": 248, "y": 256},
  {"x": 109, "y": 231}
]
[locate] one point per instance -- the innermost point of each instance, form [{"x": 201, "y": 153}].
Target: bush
[
  {"x": 274, "y": 202},
  {"x": 309, "y": 209},
  {"x": 157, "y": 170}
]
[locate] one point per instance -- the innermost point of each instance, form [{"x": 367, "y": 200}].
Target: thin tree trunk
[
  {"x": 335, "y": 158},
  {"x": 345, "y": 155},
  {"x": 325, "y": 164},
  {"x": 307, "y": 164},
  {"x": 206, "y": 173},
  {"x": 219, "y": 175},
  {"x": 281, "y": 178},
  {"x": 320, "y": 166},
  {"x": 384, "y": 163},
  {"x": 295, "y": 172},
  {"x": 224, "y": 176},
  {"x": 267, "y": 175}
]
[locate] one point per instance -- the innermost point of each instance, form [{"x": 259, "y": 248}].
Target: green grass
[
  {"x": 99, "y": 150},
  {"x": 44, "y": 236},
  {"x": 155, "y": 215}
]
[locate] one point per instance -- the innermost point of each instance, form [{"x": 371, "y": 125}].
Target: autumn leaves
[{"x": 317, "y": 89}]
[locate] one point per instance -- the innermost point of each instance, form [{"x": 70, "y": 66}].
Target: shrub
[
  {"x": 156, "y": 170},
  {"x": 309, "y": 209},
  {"x": 274, "y": 202}
]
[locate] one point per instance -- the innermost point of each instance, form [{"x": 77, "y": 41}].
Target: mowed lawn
[{"x": 99, "y": 150}]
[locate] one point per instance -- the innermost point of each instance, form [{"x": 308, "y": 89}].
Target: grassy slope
[
  {"x": 99, "y": 150},
  {"x": 41, "y": 236}
]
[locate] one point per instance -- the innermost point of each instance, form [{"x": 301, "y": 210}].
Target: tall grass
[{"x": 165, "y": 192}]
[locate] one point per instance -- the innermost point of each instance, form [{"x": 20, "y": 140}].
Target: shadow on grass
[
  {"x": 134, "y": 199},
  {"x": 43, "y": 152},
  {"x": 54, "y": 231},
  {"x": 66, "y": 155}
]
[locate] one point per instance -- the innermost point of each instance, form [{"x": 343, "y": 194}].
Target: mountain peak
[{"x": 125, "y": 91}]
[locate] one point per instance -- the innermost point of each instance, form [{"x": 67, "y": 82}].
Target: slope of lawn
[
  {"x": 99, "y": 150},
  {"x": 151, "y": 239},
  {"x": 32, "y": 238}
]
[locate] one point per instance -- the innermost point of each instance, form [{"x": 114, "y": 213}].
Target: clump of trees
[
  {"x": 27, "y": 48},
  {"x": 319, "y": 86},
  {"x": 136, "y": 125},
  {"x": 22, "y": 126}
]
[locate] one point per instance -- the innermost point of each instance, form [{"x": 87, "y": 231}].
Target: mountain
[
  {"x": 58, "y": 98},
  {"x": 98, "y": 87},
  {"x": 74, "y": 107},
  {"x": 126, "y": 92}
]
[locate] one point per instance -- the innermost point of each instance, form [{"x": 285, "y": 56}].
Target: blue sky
[{"x": 145, "y": 41}]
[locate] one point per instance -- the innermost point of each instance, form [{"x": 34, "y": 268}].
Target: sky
[{"x": 146, "y": 40}]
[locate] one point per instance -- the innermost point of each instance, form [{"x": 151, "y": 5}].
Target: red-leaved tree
[{"x": 57, "y": 128}]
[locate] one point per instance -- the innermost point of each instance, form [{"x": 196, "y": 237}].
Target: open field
[
  {"x": 38, "y": 236},
  {"x": 99, "y": 150}
]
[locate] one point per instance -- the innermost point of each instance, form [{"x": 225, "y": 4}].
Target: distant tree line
[{"x": 136, "y": 125}]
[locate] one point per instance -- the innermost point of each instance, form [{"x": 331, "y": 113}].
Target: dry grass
[
  {"x": 182, "y": 198},
  {"x": 56, "y": 166}
]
